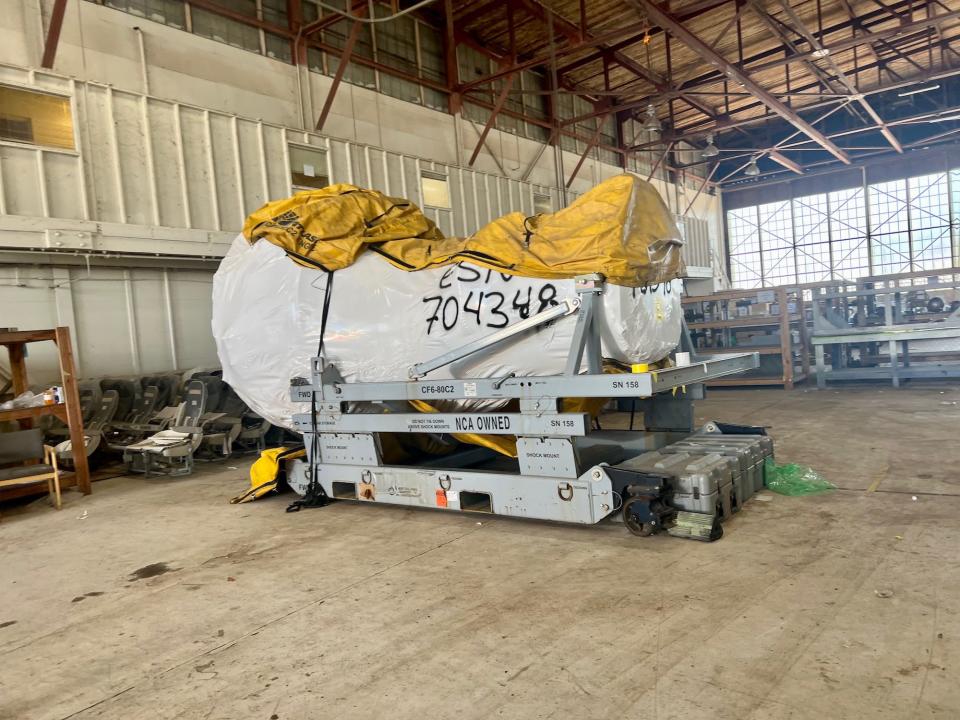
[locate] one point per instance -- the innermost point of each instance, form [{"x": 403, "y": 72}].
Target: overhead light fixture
[
  {"x": 917, "y": 91},
  {"x": 752, "y": 169},
  {"x": 821, "y": 52},
  {"x": 710, "y": 150},
  {"x": 943, "y": 118},
  {"x": 652, "y": 123}
]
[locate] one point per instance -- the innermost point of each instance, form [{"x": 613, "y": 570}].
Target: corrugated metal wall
[
  {"x": 151, "y": 163},
  {"x": 125, "y": 321}
]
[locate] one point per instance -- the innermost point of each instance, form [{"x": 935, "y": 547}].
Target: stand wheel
[{"x": 633, "y": 525}]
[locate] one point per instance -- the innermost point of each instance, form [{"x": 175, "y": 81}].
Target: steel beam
[
  {"x": 780, "y": 158},
  {"x": 839, "y": 45},
  {"x": 590, "y": 146},
  {"x": 631, "y": 30},
  {"x": 497, "y": 107},
  {"x": 700, "y": 187},
  {"x": 338, "y": 77},
  {"x": 689, "y": 11},
  {"x": 760, "y": 12},
  {"x": 481, "y": 9},
  {"x": 656, "y": 165},
  {"x": 835, "y": 47},
  {"x": 450, "y": 60},
  {"x": 801, "y": 27},
  {"x": 572, "y": 33},
  {"x": 298, "y": 50},
  {"x": 53, "y": 33},
  {"x": 670, "y": 23},
  {"x": 695, "y": 131},
  {"x": 316, "y": 26}
]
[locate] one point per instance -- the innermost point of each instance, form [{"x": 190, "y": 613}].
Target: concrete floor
[{"x": 843, "y": 605}]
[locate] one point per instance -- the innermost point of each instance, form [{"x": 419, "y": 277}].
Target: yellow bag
[{"x": 265, "y": 472}]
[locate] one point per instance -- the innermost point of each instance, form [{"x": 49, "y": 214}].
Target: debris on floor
[{"x": 794, "y": 479}]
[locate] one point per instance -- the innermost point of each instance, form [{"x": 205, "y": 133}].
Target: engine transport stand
[{"x": 565, "y": 471}]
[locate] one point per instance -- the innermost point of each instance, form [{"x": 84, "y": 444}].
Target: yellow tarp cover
[{"x": 620, "y": 228}]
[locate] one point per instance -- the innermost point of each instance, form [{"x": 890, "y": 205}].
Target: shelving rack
[
  {"x": 68, "y": 411},
  {"x": 716, "y": 325}
]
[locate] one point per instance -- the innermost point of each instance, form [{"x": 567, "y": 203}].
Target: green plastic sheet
[{"x": 794, "y": 479}]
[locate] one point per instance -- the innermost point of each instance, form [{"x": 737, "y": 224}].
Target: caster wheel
[{"x": 641, "y": 529}]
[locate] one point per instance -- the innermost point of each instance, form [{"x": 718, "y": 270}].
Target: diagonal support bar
[
  {"x": 316, "y": 26},
  {"x": 815, "y": 44},
  {"x": 590, "y": 146},
  {"x": 497, "y": 107},
  {"x": 338, "y": 77},
  {"x": 566, "y": 307},
  {"x": 671, "y": 24},
  {"x": 574, "y": 35},
  {"x": 53, "y": 33}
]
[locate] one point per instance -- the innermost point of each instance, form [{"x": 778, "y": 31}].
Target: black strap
[
  {"x": 374, "y": 220},
  {"x": 527, "y": 231},
  {"x": 315, "y": 496}
]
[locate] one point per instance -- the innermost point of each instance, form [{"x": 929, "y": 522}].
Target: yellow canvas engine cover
[{"x": 621, "y": 228}]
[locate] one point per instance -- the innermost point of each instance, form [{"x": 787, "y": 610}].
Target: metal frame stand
[
  {"x": 562, "y": 470},
  {"x": 831, "y": 328}
]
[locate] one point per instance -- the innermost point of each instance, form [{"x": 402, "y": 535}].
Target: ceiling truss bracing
[{"x": 793, "y": 84}]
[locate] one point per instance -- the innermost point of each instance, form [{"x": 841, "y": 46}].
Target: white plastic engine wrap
[{"x": 267, "y": 312}]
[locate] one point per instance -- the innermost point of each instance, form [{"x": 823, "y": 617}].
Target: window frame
[
  {"x": 309, "y": 148},
  {"x": 437, "y": 176},
  {"x": 71, "y": 103},
  {"x": 907, "y": 224}
]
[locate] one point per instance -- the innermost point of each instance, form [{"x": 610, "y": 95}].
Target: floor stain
[
  {"x": 907, "y": 671},
  {"x": 149, "y": 571}
]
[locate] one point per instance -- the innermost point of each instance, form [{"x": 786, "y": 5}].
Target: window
[
  {"x": 889, "y": 227},
  {"x": 274, "y": 11},
  {"x": 743, "y": 231},
  {"x": 435, "y": 190},
  {"x": 404, "y": 44},
  {"x": 432, "y": 65},
  {"x": 812, "y": 232},
  {"x": 828, "y": 236},
  {"x": 542, "y": 203},
  {"x": 308, "y": 168},
  {"x": 776, "y": 243},
  {"x": 209, "y": 24},
  {"x": 277, "y": 47},
  {"x": 168, "y": 12},
  {"x": 930, "y": 221},
  {"x": 35, "y": 117},
  {"x": 225, "y": 30},
  {"x": 848, "y": 234},
  {"x": 355, "y": 73}
]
